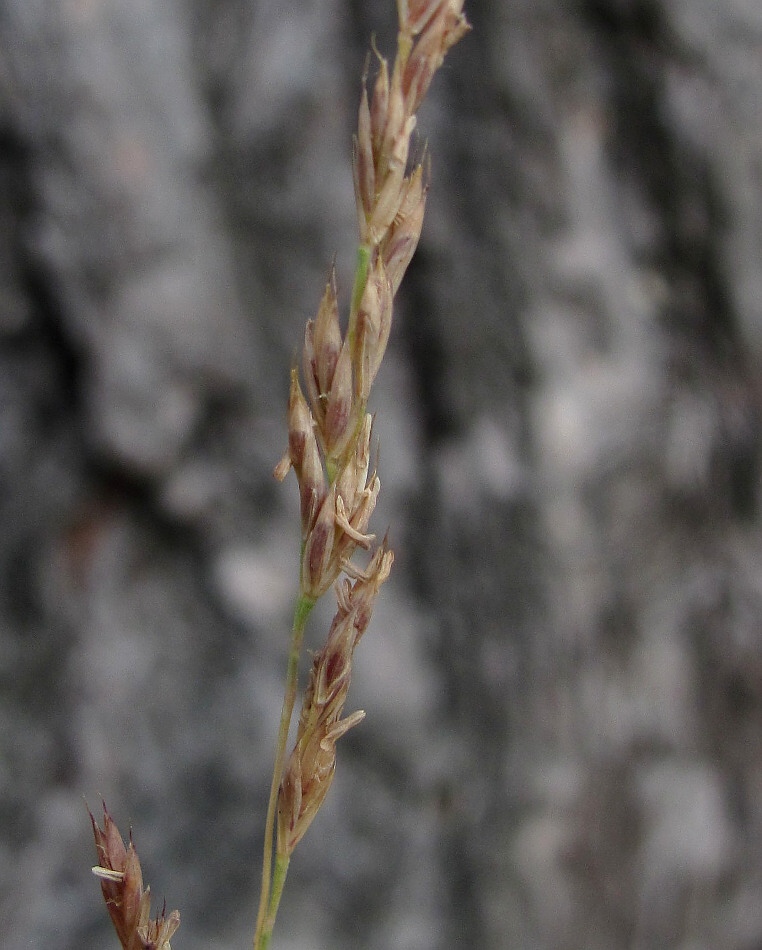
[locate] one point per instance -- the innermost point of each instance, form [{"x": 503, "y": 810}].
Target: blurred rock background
[{"x": 563, "y": 681}]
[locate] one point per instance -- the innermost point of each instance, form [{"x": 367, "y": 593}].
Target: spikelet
[{"x": 129, "y": 906}]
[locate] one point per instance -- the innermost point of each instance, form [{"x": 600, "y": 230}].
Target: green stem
[
  {"x": 279, "y": 879},
  {"x": 269, "y": 897}
]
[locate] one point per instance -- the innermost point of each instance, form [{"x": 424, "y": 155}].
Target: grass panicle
[{"x": 330, "y": 429}]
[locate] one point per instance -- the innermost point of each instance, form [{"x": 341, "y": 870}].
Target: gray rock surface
[{"x": 563, "y": 679}]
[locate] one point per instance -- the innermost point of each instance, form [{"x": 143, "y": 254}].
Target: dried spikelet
[
  {"x": 129, "y": 906},
  {"x": 322, "y": 344},
  {"x": 443, "y": 26},
  {"x": 365, "y": 172},
  {"x": 319, "y": 569},
  {"x": 353, "y": 477},
  {"x": 379, "y": 108},
  {"x": 303, "y": 455},
  {"x": 338, "y": 426},
  {"x": 374, "y": 324}
]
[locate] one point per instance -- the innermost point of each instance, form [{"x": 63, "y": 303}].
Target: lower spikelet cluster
[{"x": 309, "y": 771}]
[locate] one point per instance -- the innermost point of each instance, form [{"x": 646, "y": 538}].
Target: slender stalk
[
  {"x": 266, "y": 914},
  {"x": 278, "y": 881}
]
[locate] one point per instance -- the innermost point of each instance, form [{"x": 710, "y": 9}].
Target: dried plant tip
[
  {"x": 129, "y": 906},
  {"x": 445, "y": 26},
  {"x": 121, "y": 878}
]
